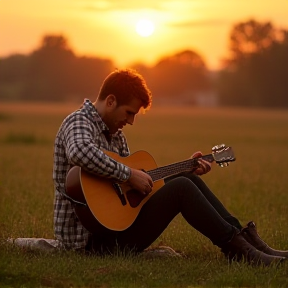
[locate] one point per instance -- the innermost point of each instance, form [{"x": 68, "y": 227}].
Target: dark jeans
[{"x": 186, "y": 194}]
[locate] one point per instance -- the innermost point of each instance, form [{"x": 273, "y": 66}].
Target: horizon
[{"x": 106, "y": 29}]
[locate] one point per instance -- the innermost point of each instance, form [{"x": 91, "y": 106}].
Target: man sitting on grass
[{"x": 96, "y": 127}]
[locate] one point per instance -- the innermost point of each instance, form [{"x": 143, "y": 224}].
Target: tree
[
  {"x": 88, "y": 75},
  {"x": 56, "y": 73},
  {"x": 13, "y": 75},
  {"x": 182, "y": 74},
  {"x": 253, "y": 75},
  {"x": 249, "y": 38},
  {"x": 49, "y": 74}
]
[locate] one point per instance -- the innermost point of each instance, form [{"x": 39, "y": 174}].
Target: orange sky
[{"x": 106, "y": 28}]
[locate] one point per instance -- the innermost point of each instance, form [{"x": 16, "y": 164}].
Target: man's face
[{"x": 118, "y": 116}]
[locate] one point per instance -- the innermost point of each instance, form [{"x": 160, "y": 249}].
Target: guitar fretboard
[{"x": 175, "y": 168}]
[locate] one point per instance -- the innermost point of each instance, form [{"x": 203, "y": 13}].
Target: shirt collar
[{"x": 91, "y": 110}]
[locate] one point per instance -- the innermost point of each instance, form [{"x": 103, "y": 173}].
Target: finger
[
  {"x": 202, "y": 169},
  {"x": 206, "y": 168},
  {"x": 205, "y": 164},
  {"x": 149, "y": 189},
  {"x": 198, "y": 172},
  {"x": 197, "y": 154},
  {"x": 150, "y": 183},
  {"x": 144, "y": 191}
]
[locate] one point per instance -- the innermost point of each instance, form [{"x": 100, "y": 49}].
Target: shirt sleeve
[{"x": 81, "y": 150}]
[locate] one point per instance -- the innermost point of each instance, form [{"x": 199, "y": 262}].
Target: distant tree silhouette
[
  {"x": 55, "y": 73},
  {"x": 49, "y": 72},
  {"x": 250, "y": 37},
  {"x": 52, "y": 72},
  {"x": 13, "y": 76},
  {"x": 179, "y": 75},
  {"x": 88, "y": 75},
  {"x": 253, "y": 75}
]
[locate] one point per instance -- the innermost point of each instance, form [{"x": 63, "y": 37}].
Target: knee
[
  {"x": 191, "y": 176},
  {"x": 184, "y": 187},
  {"x": 182, "y": 183},
  {"x": 195, "y": 179}
]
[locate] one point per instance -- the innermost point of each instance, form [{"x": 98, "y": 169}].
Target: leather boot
[
  {"x": 239, "y": 249},
  {"x": 251, "y": 235}
]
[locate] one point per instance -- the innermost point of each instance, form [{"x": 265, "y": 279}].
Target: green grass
[{"x": 253, "y": 188}]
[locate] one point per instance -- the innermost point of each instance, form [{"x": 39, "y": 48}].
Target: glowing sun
[{"x": 145, "y": 27}]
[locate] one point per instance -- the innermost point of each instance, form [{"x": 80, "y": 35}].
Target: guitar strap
[{"x": 75, "y": 202}]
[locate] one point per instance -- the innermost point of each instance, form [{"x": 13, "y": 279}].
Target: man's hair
[{"x": 126, "y": 84}]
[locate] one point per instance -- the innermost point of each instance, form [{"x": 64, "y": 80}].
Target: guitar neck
[{"x": 175, "y": 168}]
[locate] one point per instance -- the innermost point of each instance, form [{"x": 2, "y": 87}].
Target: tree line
[{"x": 254, "y": 74}]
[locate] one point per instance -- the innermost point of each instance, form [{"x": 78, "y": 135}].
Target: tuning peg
[
  {"x": 218, "y": 147},
  {"x": 223, "y": 164}
]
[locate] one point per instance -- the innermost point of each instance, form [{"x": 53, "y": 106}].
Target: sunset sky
[{"x": 106, "y": 28}]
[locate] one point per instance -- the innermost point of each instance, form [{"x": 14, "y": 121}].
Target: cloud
[
  {"x": 199, "y": 23},
  {"x": 112, "y": 5}
]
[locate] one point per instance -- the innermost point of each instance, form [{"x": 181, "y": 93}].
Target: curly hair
[{"x": 126, "y": 84}]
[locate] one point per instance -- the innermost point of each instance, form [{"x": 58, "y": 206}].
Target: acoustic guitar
[{"x": 116, "y": 205}]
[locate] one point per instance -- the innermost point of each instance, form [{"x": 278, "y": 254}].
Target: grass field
[{"x": 253, "y": 188}]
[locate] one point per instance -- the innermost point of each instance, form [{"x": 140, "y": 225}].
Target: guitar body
[
  {"x": 102, "y": 198},
  {"x": 116, "y": 206}
]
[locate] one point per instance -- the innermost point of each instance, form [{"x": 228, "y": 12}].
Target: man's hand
[
  {"x": 204, "y": 166},
  {"x": 140, "y": 181}
]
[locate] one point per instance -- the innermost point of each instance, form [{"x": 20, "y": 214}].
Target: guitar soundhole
[{"x": 134, "y": 197}]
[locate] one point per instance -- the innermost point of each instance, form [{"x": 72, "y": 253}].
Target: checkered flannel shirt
[{"x": 80, "y": 141}]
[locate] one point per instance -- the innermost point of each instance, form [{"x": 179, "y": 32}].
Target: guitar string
[
  {"x": 172, "y": 169},
  {"x": 162, "y": 172}
]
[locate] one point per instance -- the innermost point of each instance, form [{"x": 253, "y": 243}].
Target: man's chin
[{"x": 114, "y": 131}]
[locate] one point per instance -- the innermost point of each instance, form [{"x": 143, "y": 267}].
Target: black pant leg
[
  {"x": 179, "y": 195},
  {"x": 210, "y": 196}
]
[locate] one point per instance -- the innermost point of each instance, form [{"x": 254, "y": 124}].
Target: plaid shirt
[{"x": 80, "y": 141}]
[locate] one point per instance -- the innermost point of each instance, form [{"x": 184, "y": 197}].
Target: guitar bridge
[{"x": 120, "y": 193}]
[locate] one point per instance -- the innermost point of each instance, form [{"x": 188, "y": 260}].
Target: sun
[{"x": 145, "y": 27}]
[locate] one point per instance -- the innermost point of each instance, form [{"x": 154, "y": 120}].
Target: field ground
[{"x": 252, "y": 188}]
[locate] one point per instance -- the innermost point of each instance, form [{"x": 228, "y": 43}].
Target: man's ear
[{"x": 111, "y": 101}]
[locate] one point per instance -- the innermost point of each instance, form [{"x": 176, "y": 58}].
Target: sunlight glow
[{"x": 145, "y": 27}]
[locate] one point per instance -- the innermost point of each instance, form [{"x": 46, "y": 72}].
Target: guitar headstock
[{"x": 223, "y": 155}]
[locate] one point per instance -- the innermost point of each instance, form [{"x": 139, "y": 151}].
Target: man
[{"x": 81, "y": 141}]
